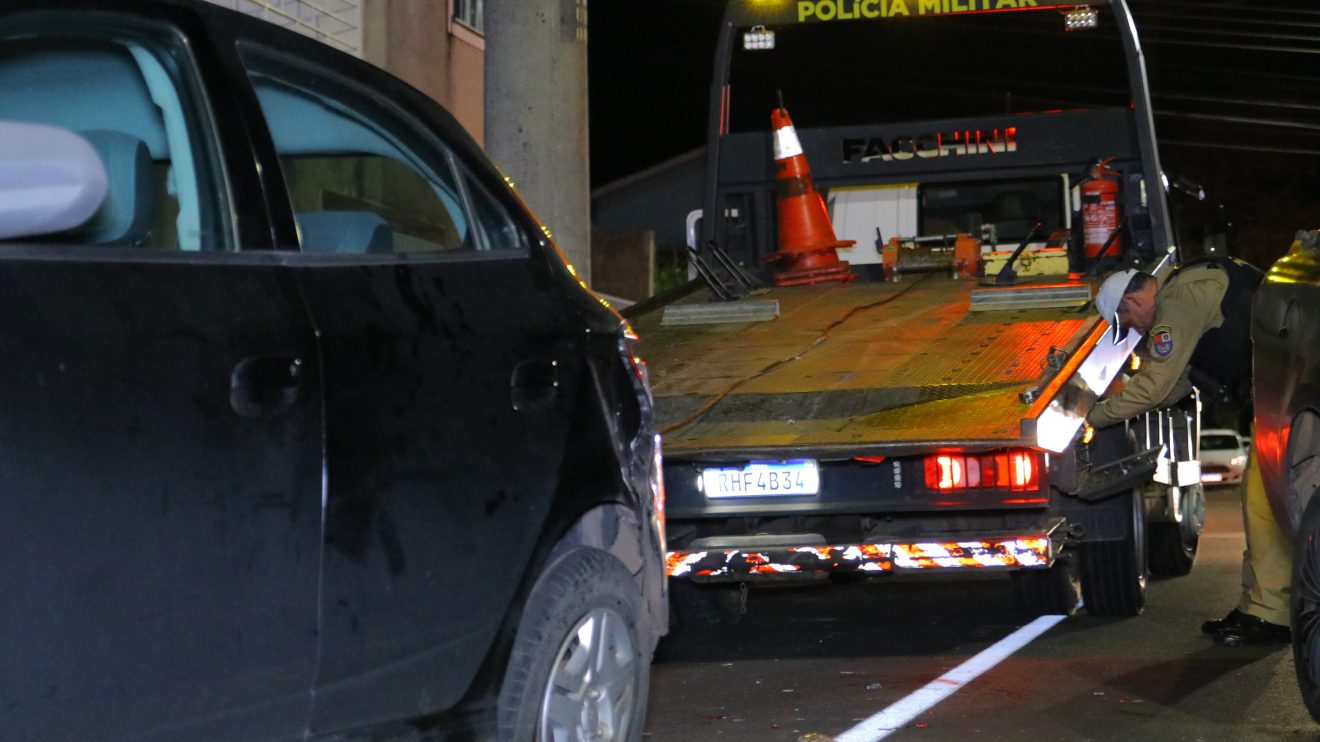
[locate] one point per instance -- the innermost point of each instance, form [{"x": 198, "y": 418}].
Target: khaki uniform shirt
[{"x": 1185, "y": 308}]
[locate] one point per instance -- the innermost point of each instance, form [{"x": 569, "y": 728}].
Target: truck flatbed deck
[{"x": 856, "y": 366}]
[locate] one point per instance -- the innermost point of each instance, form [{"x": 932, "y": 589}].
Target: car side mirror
[{"x": 50, "y": 180}]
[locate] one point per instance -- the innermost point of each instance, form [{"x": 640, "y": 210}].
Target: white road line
[{"x": 899, "y": 714}]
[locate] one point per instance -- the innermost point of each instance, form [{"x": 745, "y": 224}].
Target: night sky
[{"x": 1235, "y": 86}]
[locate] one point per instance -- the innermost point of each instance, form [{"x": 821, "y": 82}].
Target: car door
[
  {"x": 160, "y": 433},
  {"x": 449, "y": 378}
]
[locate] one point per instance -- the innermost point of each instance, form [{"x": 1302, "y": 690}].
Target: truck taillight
[{"x": 1017, "y": 471}]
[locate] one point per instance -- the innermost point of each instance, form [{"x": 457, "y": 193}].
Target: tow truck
[{"x": 988, "y": 161}]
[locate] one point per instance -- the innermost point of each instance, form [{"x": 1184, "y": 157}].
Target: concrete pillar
[{"x": 536, "y": 112}]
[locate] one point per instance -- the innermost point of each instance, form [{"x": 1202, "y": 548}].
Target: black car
[{"x": 307, "y": 430}]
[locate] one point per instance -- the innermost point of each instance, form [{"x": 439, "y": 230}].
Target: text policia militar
[
  {"x": 844, "y": 10},
  {"x": 940, "y": 144}
]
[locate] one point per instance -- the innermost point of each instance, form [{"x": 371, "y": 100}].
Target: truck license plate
[{"x": 763, "y": 479}]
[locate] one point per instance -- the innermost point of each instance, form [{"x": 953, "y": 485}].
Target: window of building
[{"x": 469, "y": 13}]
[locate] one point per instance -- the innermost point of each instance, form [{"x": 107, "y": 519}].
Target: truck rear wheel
[
  {"x": 1173, "y": 545},
  {"x": 1114, "y": 571},
  {"x": 1050, "y": 591}
]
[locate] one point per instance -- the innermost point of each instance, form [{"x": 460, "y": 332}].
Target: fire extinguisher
[{"x": 1100, "y": 213}]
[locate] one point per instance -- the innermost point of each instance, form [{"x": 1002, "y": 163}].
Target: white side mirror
[{"x": 50, "y": 180}]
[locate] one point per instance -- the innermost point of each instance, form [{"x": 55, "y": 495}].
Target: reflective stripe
[{"x": 786, "y": 143}]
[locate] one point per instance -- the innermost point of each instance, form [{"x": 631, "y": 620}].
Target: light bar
[
  {"x": 758, "y": 39},
  {"x": 1079, "y": 18},
  {"x": 1034, "y": 550}
]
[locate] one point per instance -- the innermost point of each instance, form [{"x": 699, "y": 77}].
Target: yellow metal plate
[{"x": 861, "y": 364}]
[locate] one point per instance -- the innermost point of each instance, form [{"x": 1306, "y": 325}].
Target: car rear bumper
[{"x": 1213, "y": 475}]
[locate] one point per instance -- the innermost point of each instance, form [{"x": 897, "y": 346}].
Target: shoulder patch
[{"x": 1161, "y": 341}]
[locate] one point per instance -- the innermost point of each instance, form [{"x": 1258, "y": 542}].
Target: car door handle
[
  {"x": 264, "y": 384},
  {"x": 535, "y": 384}
]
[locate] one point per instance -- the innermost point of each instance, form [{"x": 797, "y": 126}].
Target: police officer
[{"x": 1198, "y": 331}]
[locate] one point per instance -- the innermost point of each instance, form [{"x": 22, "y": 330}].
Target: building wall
[
  {"x": 417, "y": 41},
  {"x": 335, "y": 22},
  {"x": 657, "y": 199}
]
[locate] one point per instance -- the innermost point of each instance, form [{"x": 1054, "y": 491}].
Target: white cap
[{"x": 1109, "y": 296}]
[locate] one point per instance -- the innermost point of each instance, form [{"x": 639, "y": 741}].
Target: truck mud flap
[{"x": 1036, "y": 548}]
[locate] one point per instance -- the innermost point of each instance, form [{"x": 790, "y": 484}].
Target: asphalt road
[{"x": 810, "y": 663}]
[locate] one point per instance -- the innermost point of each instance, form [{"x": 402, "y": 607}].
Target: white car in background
[{"x": 1223, "y": 456}]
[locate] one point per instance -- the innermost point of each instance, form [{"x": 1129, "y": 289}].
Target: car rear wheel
[
  {"x": 1305, "y": 609},
  {"x": 579, "y": 667},
  {"x": 1303, "y": 480},
  {"x": 1173, "y": 545},
  {"x": 1114, "y": 571}
]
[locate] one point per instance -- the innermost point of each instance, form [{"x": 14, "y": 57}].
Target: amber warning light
[{"x": 1017, "y": 471}]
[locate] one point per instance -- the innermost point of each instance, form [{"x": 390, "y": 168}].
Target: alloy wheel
[{"x": 592, "y": 687}]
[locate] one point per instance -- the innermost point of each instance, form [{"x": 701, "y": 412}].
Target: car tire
[
  {"x": 1052, "y": 591},
  {"x": 579, "y": 668},
  {"x": 1302, "y": 483},
  {"x": 1114, "y": 572},
  {"x": 1173, "y": 545},
  {"x": 1305, "y": 608},
  {"x": 705, "y": 605}
]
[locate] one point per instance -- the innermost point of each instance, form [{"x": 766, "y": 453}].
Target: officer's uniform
[{"x": 1202, "y": 333}]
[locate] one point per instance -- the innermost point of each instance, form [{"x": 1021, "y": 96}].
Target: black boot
[
  {"x": 1240, "y": 629},
  {"x": 1215, "y": 625}
]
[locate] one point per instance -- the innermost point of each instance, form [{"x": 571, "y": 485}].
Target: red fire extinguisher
[{"x": 1100, "y": 209}]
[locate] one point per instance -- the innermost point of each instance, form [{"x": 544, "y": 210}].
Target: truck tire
[
  {"x": 579, "y": 667},
  {"x": 1173, "y": 545},
  {"x": 1114, "y": 571},
  {"x": 704, "y": 605},
  {"x": 1053, "y": 591}
]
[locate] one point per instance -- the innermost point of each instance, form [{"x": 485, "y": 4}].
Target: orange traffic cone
[{"x": 806, "y": 237}]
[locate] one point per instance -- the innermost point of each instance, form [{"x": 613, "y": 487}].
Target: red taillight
[
  {"x": 1016, "y": 471},
  {"x": 1024, "y": 470},
  {"x": 950, "y": 473}
]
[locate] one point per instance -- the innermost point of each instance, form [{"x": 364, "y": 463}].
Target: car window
[
  {"x": 1219, "y": 443},
  {"x": 360, "y": 177},
  {"x": 130, "y": 94},
  {"x": 498, "y": 229}
]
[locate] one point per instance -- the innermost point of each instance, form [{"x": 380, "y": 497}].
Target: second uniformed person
[{"x": 1198, "y": 330}]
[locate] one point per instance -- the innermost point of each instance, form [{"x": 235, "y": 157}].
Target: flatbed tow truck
[{"x": 928, "y": 415}]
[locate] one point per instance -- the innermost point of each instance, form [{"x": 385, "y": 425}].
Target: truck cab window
[
  {"x": 359, "y": 177},
  {"x": 1011, "y": 207}
]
